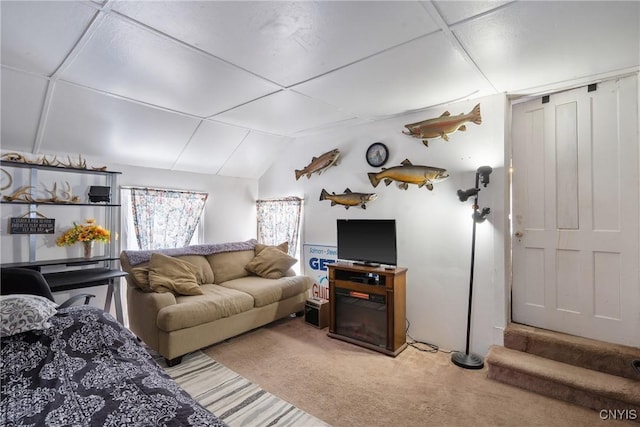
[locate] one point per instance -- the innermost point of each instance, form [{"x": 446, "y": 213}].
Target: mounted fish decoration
[
  {"x": 408, "y": 173},
  {"x": 348, "y": 198},
  {"x": 319, "y": 164},
  {"x": 443, "y": 125}
]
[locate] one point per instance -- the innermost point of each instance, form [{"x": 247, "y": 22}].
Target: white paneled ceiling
[{"x": 222, "y": 87}]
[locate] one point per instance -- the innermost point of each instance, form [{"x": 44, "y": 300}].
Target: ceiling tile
[
  {"x": 283, "y": 113},
  {"x": 37, "y": 36},
  {"x": 254, "y": 156},
  {"x": 530, "y": 44},
  {"x": 210, "y": 147},
  {"x": 456, "y": 11},
  {"x": 83, "y": 121},
  {"x": 22, "y": 100},
  {"x": 126, "y": 60},
  {"x": 286, "y": 42},
  {"x": 413, "y": 76}
]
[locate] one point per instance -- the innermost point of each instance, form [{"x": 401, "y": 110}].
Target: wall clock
[{"x": 377, "y": 154}]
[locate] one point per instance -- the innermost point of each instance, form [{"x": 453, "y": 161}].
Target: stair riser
[
  {"x": 610, "y": 359},
  {"x": 563, "y": 392}
]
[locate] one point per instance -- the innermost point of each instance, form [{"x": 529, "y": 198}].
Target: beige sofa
[{"x": 227, "y": 300}]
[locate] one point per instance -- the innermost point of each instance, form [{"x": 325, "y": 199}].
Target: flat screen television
[{"x": 367, "y": 241}]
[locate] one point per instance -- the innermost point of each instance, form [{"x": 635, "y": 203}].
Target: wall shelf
[
  {"x": 20, "y": 202},
  {"x": 55, "y": 168},
  {"x": 64, "y": 274}
]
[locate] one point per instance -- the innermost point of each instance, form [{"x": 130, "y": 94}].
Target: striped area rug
[{"x": 234, "y": 399}]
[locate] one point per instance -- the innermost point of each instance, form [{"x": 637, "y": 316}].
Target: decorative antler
[
  {"x": 14, "y": 157},
  {"x": 46, "y": 162},
  {"x": 82, "y": 164},
  {"x": 67, "y": 195},
  {"x": 10, "y": 180},
  {"x": 53, "y": 193},
  {"x": 21, "y": 194},
  {"x": 66, "y": 165}
]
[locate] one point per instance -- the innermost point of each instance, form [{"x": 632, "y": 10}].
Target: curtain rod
[{"x": 129, "y": 187}]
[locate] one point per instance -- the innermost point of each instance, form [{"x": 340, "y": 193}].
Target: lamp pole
[{"x": 470, "y": 360}]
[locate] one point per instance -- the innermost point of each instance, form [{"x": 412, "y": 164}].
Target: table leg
[
  {"x": 107, "y": 300},
  {"x": 118, "y": 297},
  {"x": 113, "y": 291}
]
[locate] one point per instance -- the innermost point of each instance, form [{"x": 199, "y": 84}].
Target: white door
[{"x": 576, "y": 218}]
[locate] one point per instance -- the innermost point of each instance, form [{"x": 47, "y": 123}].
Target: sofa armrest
[{"x": 143, "y": 308}]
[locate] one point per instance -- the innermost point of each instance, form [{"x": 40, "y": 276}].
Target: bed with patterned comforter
[{"x": 85, "y": 369}]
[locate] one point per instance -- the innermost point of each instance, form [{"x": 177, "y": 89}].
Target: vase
[{"x": 88, "y": 248}]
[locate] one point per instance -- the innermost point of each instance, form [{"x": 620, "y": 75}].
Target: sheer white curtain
[
  {"x": 129, "y": 239},
  {"x": 279, "y": 221}
]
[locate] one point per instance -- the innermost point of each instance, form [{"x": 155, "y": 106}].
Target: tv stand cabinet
[{"x": 367, "y": 306}]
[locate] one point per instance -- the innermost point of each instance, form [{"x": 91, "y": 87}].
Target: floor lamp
[{"x": 470, "y": 360}]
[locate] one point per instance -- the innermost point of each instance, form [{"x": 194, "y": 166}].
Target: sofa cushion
[
  {"x": 168, "y": 274},
  {"x": 215, "y": 303},
  {"x": 230, "y": 265},
  {"x": 271, "y": 263},
  {"x": 267, "y": 291}
]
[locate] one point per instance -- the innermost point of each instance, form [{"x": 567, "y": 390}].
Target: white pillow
[{"x": 22, "y": 312}]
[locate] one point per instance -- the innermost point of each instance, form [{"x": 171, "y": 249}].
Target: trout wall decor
[
  {"x": 443, "y": 125},
  {"x": 408, "y": 173},
  {"x": 319, "y": 164},
  {"x": 348, "y": 198}
]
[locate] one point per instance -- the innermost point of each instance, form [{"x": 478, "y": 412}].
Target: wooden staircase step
[
  {"x": 600, "y": 356},
  {"x": 585, "y": 387}
]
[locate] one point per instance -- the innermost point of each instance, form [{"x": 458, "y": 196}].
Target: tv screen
[{"x": 368, "y": 241}]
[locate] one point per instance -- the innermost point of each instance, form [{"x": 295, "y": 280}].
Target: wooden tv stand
[{"x": 379, "y": 287}]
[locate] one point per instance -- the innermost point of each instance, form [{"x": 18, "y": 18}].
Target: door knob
[{"x": 519, "y": 234}]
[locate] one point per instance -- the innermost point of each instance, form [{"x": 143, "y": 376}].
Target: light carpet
[{"x": 234, "y": 399}]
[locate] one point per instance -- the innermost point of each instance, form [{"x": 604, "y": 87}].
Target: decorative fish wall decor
[
  {"x": 319, "y": 164},
  {"x": 408, "y": 173},
  {"x": 348, "y": 198},
  {"x": 443, "y": 125}
]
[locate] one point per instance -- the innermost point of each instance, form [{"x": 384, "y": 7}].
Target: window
[
  {"x": 160, "y": 218},
  {"x": 279, "y": 221}
]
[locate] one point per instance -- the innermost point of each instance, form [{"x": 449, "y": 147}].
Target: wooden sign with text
[{"x": 32, "y": 226}]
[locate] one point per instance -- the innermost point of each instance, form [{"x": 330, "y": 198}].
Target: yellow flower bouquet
[{"x": 84, "y": 233}]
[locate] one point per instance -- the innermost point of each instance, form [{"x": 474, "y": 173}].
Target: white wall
[
  {"x": 434, "y": 228},
  {"x": 230, "y": 212}
]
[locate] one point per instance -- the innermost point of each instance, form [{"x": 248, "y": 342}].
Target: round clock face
[{"x": 377, "y": 154}]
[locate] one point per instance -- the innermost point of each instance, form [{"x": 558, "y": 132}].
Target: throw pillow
[
  {"x": 141, "y": 278},
  {"x": 271, "y": 263},
  {"x": 284, "y": 247},
  {"x": 21, "y": 313},
  {"x": 168, "y": 274}
]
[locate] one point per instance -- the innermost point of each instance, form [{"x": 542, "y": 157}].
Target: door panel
[{"x": 575, "y": 212}]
